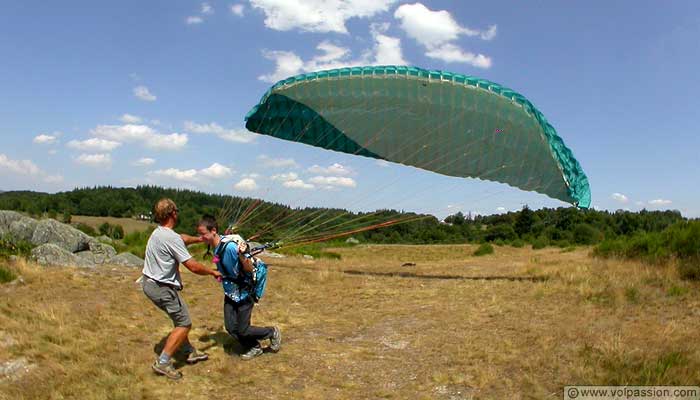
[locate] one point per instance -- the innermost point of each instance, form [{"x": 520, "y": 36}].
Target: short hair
[
  {"x": 163, "y": 209},
  {"x": 209, "y": 222}
]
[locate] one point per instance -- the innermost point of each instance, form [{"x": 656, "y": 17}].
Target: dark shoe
[
  {"x": 276, "y": 340},
  {"x": 196, "y": 356},
  {"x": 167, "y": 370},
  {"x": 252, "y": 353}
]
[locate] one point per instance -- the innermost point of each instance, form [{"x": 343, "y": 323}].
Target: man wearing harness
[
  {"x": 236, "y": 266},
  {"x": 161, "y": 282}
]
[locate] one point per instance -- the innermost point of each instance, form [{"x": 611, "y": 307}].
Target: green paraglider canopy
[{"x": 439, "y": 121}]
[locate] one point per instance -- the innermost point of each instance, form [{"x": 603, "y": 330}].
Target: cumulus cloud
[
  {"x": 237, "y": 9},
  {"x": 141, "y": 134},
  {"x": 94, "y": 144},
  {"x": 277, "y": 162},
  {"x": 382, "y": 163},
  {"x": 337, "y": 181},
  {"x": 501, "y": 209},
  {"x": 619, "y": 197},
  {"x": 95, "y": 160},
  {"x": 45, "y": 139},
  {"x": 334, "y": 169},
  {"x": 130, "y": 119},
  {"x": 246, "y": 185},
  {"x": 291, "y": 180},
  {"x": 317, "y": 15},
  {"x": 144, "y": 94},
  {"x": 26, "y": 168},
  {"x": 207, "y": 9},
  {"x": 386, "y": 50},
  {"x": 144, "y": 162},
  {"x": 214, "y": 171},
  {"x": 660, "y": 202},
  {"x": 194, "y": 20},
  {"x": 231, "y": 135},
  {"x": 436, "y": 30}
]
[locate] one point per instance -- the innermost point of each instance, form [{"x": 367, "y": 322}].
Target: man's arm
[
  {"x": 191, "y": 239},
  {"x": 199, "y": 269}
]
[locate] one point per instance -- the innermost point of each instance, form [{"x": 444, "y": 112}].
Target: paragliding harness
[{"x": 253, "y": 282}]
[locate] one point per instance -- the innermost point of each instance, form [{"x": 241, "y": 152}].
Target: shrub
[
  {"x": 6, "y": 274},
  {"x": 517, "y": 243},
  {"x": 12, "y": 247},
  {"x": 539, "y": 243},
  {"x": 86, "y": 229},
  {"x": 483, "y": 250},
  {"x": 586, "y": 234}
]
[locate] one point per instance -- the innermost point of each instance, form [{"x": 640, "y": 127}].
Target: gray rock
[
  {"x": 23, "y": 228},
  {"x": 352, "y": 240},
  {"x": 127, "y": 260},
  {"x": 14, "y": 369},
  {"x": 97, "y": 253},
  {"x": 6, "y": 341},
  {"x": 308, "y": 257},
  {"x": 62, "y": 235},
  {"x": 271, "y": 254},
  {"x": 7, "y": 218},
  {"x": 54, "y": 255},
  {"x": 105, "y": 239}
]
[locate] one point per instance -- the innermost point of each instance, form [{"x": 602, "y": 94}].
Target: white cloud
[
  {"x": 338, "y": 181},
  {"x": 277, "y": 162},
  {"x": 141, "y": 134},
  {"x": 246, "y": 185},
  {"x": 435, "y": 30},
  {"x": 144, "y": 94},
  {"x": 317, "y": 15},
  {"x": 26, "y": 168},
  {"x": 297, "y": 184},
  {"x": 144, "y": 162},
  {"x": 660, "y": 202},
  {"x": 214, "y": 171},
  {"x": 231, "y": 135},
  {"x": 194, "y": 20},
  {"x": 94, "y": 144},
  {"x": 95, "y": 160},
  {"x": 207, "y": 9},
  {"x": 619, "y": 197},
  {"x": 45, "y": 139},
  {"x": 386, "y": 50},
  {"x": 501, "y": 209},
  {"x": 237, "y": 9},
  {"x": 335, "y": 169},
  {"x": 291, "y": 180},
  {"x": 130, "y": 119},
  {"x": 639, "y": 203},
  {"x": 448, "y": 52}
]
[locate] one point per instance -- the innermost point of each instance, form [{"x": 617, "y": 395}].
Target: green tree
[{"x": 524, "y": 221}]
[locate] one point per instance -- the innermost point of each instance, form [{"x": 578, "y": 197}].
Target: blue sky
[{"x": 131, "y": 92}]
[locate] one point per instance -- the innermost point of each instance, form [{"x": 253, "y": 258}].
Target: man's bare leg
[{"x": 176, "y": 338}]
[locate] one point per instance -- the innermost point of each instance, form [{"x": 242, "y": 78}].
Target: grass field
[
  {"x": 129, "y": 224},
  {"x": 516, "y": 324}
]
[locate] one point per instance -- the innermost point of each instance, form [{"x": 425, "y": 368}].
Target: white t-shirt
[{"x": 164, "y": 252}]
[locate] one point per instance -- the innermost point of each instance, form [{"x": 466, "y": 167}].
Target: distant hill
[{"x": 561, "y": 226}]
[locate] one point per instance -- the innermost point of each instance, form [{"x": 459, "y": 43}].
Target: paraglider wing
[{"x": 447, "y": 123}]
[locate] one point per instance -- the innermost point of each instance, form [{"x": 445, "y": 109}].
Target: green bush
[
  {"x": 483, "y": 250},
  {"x": 11, "y": 247},
  {"x": 540, "y": 243},
  {"x": 586, "y": 234},
  {"x": 86, "y": 229},
  {"x": 517, "y": 243},
  {"x": 6, "y": 274}
]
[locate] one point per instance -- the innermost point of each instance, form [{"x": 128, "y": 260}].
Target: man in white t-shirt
[{"x": 165, "y": 251}]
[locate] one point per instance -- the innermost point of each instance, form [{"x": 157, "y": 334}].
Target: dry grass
[
  {"x": 363, "y": 335},
  {"x": 129, "y": 224}
]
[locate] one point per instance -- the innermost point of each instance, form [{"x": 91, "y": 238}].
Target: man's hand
[
  {"x": 199, "y": 269},
  {"x": 191, "y": 239}
]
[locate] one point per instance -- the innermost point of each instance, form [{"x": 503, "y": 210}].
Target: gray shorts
[{"x": 168, "y": 300}]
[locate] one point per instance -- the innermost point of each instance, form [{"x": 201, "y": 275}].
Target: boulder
[
  {"x": 54, "y": 255},
  {"x": 22, "y": 229},
  {"x": 105, "y": 239},
  {"x": 100, "y": 253},
  {"x": 352, "y": 240},
  {"x": 62, "y": 235},
  {"x": 7, "y": 218},
  {"x": 126, "y": 260}
]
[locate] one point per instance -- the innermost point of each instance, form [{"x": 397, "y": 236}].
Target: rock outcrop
[{"x": 60, "y": 244}]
